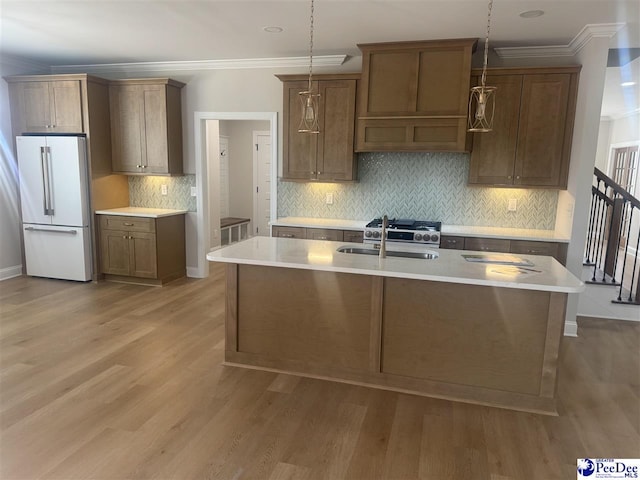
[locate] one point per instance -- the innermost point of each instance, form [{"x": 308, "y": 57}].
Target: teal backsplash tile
[
  {"x": 145, "y": 191},
  {"x": 430, "y": 186}
]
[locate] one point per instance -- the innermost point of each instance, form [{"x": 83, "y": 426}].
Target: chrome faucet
[{"x": 383, "y": 237}]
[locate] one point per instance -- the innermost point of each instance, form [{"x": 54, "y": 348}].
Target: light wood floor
[{"x": 114, "y": 381}]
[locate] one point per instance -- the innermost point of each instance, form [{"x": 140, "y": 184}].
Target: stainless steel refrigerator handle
[
  {"x": 49, "y": 168},
  {"x": 45, "y": 196},
  {"x": 35, "y": 229}
]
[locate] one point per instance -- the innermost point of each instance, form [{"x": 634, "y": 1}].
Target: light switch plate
[
  {"x": 194, "y": 191},
  {"x": 163, "y": 189},
  {"x": 513, "y": 205}
]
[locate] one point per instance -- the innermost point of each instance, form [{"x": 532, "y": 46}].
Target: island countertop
[{"x": 450, "y": 266}]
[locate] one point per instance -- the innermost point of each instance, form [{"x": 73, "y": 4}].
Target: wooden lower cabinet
[
  {"x": 142, "y": 250},
  {"x": 556, "y": 250},
  {"x": 289, "y": 232},
  {"x": 354, "y": 236},
  {"x": 325, "y": 234},
  {"x": 331, "y": 234},
  {"x": 479, "y": 344}
]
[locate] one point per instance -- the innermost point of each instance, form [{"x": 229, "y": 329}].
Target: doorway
[{"x": 207, "y": 156}]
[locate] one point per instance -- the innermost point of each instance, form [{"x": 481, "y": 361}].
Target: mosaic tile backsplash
[
  {"x": 145, "y": 191},
  {"x": 429, "y": 186}
]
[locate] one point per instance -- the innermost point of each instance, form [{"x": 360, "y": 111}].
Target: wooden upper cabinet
[
  {"x": 328, "y": 155},
  {"x": 46, "y": 106},
  {"x": 530, "y": 145},
  {"x": 414, "y": 96},
  {"x": 146, "y": 126}
]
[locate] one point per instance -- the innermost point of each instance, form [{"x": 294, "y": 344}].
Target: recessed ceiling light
[
  {"x": 627, "y": 84},
  {"x": 532, "y": 13},
  {"x": 273, "y": 29}
]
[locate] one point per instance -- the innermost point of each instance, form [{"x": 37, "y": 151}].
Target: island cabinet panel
[
  {"x": 414, "y": 96},
  {"x": 469, "y": 340},
  {"x": 326, "y": 327},
  {"x": 530, "y": 144}
]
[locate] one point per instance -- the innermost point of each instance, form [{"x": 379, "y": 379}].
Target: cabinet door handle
[
  {"x": 286, "y": 235},
  {"x": 124, "y": 236},
  {"x": 128, "y": 224},
  {"x": 323, "y": 238},
  {"x": 518, "y": 177},
  {"x": 509, "y": 177}
]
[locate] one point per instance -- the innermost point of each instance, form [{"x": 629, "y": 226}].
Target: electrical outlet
[
  {"x": 163, "y": 189},
  {"x": 194, "y": 191},
  {"x": 329, "y": 199},
  {"x": 513, "y": 205}
]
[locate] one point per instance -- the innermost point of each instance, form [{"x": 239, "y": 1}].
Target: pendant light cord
[
  {"x": 486, "y": 45},
  {"x": 311, "y": 46}
]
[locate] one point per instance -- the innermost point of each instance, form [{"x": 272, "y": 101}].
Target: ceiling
[{"x": 84, "y": 32}]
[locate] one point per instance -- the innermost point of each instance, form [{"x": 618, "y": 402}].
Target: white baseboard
[
  {"x": 570, "y": 329},
  {"x": 10, "y": 272},
  {"x": 194, "y": 272}
]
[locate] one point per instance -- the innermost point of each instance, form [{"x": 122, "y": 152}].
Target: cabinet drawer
[
  {"x": 129, "y": 224},
  {"x": 487, "y": 244},
  {"x": 454, "y": 243},
  {"x": 324, "y": 234},
  {"x": 355, "y": 236},
  {"x": 553, "y": 249},
  {"x": 289, "y": 232}
]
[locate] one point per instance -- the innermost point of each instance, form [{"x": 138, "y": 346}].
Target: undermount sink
[{"x": 426, "y": 255}]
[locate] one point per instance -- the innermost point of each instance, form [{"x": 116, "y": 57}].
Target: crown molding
[
  {"x": 201, "y": 65},
  {"x": 579, "y": 41},
  {"x": 617, "y": 116}
]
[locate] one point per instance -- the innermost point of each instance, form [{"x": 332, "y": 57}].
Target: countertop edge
[
  {"x": 525, "y": 234},
  {"x": 124, "y": 213},
  {"x": 240, "y": 256}
]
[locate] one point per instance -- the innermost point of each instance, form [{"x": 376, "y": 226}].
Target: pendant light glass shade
[
  {"x": 482, "y": 98},
  {"x": 309, "y": 98}
]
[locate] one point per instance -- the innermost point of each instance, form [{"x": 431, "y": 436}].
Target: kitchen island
[{"x": 447, "y": 328}]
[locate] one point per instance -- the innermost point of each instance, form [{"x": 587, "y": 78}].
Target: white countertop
[
  {"x": 141, "y": 212},
  {"x": 502, "y": 232},
  {"x": 454, "y": 230},
  {"x": 450, "y": 266}
]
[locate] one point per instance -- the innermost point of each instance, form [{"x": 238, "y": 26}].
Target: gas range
[{"x": 404, "y": 231}]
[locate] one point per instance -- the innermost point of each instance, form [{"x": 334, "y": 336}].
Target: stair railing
[{"x": 613, "y": 238}]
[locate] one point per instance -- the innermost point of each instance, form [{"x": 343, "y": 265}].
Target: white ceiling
[{"x": 78, "y": 32}]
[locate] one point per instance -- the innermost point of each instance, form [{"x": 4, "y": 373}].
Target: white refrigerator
[{"x": 54, "y": 195}]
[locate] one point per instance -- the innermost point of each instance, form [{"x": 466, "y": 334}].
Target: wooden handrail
[{"x": 616, "y": 188}]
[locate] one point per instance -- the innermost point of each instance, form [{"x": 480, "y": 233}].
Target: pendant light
[
  {"x": 482, "y": 98},
  {"x": 309, "y": 99}
]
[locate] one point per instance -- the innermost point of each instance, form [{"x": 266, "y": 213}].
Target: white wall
[
  {"x": 625, "y": 129},
  {"x": 10, "y": 240},
  {"x": 574, "y": 203},
  {"x": 604, "y": 141},
  {"x": 241, "y": 166}
]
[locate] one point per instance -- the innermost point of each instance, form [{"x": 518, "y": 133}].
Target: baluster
[
  {"x": 599, "y": 229},
  {"x": 594, "y": 200},
  {"x": 635, "y": 262},
  {"x": 635, "y": 259},
  {"x": 619, "y": 237}
]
